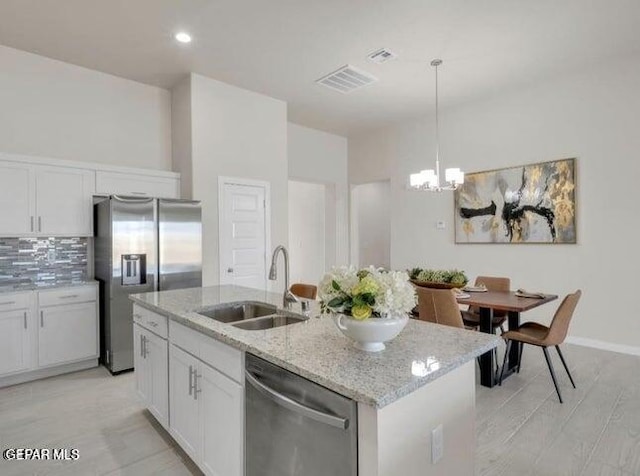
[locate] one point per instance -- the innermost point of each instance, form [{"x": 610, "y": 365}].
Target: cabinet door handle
[
  {"x": 196, "y": 390},
  {"x": 41, "y": 318},
  {"x": 6, "y": 303},
  {"x": 152, "y": 324},
  {"x": 25, "y": 319},
  {"x": 141, "y": 345},
  {"x": 138, "y": 193},
  {"x": 39, "y": 223},
  {"x": 31, "y": 222},
  {"x": 68, "y": 296},
  {"x": 190, "y": 380}
]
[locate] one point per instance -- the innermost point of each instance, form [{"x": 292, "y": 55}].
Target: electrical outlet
[
  {"x": 440, "y": 225},
  {"x": 437, "y": 444}
]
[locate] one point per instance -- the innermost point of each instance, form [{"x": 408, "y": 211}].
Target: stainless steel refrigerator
[{"x": 141, "y": 245}]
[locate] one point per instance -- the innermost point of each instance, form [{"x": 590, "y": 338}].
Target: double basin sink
[{"x": 251, "y": 315}]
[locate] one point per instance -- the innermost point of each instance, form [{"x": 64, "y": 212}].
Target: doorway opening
[{"x": 371, "y": 224}]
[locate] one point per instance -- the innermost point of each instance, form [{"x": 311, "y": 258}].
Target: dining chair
[
  {"x": 533, "y": 333},
  {"x": 306, "y": 291},
  {"x": 439, "y": 306},
  {"x": 471, "y": 316}
]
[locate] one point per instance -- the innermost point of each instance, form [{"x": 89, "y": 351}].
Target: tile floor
[{"x": 522, "y": 429}]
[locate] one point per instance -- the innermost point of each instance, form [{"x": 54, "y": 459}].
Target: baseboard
[
  {"x": 600, "y": 344},
  {"x": 47, "y": 372}
]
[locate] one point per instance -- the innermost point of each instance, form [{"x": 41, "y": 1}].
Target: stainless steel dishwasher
[{"x": 295, "y": 427}]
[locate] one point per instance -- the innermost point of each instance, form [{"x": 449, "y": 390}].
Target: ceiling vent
[
  {"x": 382, "y": 56},
  {"x": 347, "y": 79}
]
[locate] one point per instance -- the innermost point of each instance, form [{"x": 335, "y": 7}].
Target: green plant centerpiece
[
  {"x": 441, "y": 278},
  {"x": 371, "y": 305}
]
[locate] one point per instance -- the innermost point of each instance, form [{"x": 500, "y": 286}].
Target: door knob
[{"x": 230, "y": 270}]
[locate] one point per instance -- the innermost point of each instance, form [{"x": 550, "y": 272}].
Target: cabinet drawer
[
  {"x": 70, "y": 295},
  {"x": 9, "y": 302},
  {"x": 150, "y": 320},
  {"x": 218, "y": 355}
]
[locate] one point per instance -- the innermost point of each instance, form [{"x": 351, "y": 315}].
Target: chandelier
[{"x": 430, "y": 179}]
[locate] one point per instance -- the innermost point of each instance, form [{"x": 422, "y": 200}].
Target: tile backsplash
[{"x": 41, "y": 261}]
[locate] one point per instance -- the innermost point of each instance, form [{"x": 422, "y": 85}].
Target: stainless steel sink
[
  {"x": 269, "y": 322},
  {"x": 238, "y": 311}
]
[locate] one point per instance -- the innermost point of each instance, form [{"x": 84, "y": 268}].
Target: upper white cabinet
[
  {"x": 64, "y": 201},
  {"x": 50, "y": 197},
  {"x": 116, "y": 183},
  {"x": 17, "y": 199},
  {"x": 39, "y": 200}
]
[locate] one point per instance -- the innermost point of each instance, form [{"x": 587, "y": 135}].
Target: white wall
[
  {"x": 181, "y": 140},
  {"x": 371, "y": 224},
  {"x": 592, "y": 115},
  {"x": 234, "y": 133},
  {"x": 307, "y": 231},
  {"x": 53, "y": 109},
  {"x": 319, "y": 157}
]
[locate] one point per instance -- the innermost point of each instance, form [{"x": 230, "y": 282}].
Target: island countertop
[{"x": 317, "y": 350}]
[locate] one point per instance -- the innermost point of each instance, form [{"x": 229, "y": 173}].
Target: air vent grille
[
  {"x": 347, "y": 79},
  {"x": 382, "y": 56}
]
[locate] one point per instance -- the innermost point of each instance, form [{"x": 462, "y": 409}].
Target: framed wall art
[{"x": 526, "y": 204}]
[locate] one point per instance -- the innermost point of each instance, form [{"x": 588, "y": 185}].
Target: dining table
[{"x": 489, "y": 301}]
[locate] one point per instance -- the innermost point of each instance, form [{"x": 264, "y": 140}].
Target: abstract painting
[{"x": 527, "y": 204}]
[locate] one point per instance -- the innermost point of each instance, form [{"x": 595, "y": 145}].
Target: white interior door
[
  {"x": 243, "y": 235},
  {"x": 307, "y": 230}
]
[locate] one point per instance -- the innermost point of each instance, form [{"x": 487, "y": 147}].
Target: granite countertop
[
  {"x": 43, "y": 286},
  {"x": 317, "y": 350}
]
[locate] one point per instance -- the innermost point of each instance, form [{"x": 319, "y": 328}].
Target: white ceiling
[{"x": 279, "y": 47}]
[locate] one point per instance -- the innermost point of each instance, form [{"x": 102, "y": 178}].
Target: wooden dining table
[{"x": 489, "y": 301}]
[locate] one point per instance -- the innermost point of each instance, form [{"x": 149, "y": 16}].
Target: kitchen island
[{"x": 423, "y": 382}]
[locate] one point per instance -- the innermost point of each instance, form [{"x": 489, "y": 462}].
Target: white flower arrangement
[{"x": 367, "y": 292}]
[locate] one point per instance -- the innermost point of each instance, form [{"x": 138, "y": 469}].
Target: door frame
[{"x": 224, "y": 180}]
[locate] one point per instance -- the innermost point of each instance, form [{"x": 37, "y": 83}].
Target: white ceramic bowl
[{"x": 371, "y": 334}]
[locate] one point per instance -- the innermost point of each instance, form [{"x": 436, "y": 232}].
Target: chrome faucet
[{"x": 288, "y": 298}]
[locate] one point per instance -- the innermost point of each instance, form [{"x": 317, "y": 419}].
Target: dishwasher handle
[{"x": 289, "y": 404}]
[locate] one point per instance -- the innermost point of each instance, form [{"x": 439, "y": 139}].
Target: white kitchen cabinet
[
  {"x": 67, "y": 332},
  {"x": 221, "y": 417},
  {"x": 38, "y": 200},
  {"x": 184, "y": 421},
  {"x": 117, "y": 183},
  {"x": 206, "y": 414},
  {"x": 17, "y": 199},
  {"x": 15, "y": 340},
  {"x": 140, "y": 364},
  {"x": 64, "y": 201},
  {"x": 152, "y": 373}
]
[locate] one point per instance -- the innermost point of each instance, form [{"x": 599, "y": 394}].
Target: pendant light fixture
[{"x": 430, "y": 180}]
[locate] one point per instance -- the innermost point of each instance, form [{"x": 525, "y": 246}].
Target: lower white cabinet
[
  {"x": 184, "y": 420},
  {"x": 15, "y": 341},
  {"x": 151, "y": 372},
  {"x": 47, "y": 332},
  {"x": 206, "y": 414},
  {"x": 67, "y": 333},
  {"x": 221, "y": 404}
]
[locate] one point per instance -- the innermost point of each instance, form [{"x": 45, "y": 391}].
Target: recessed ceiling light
[{"x": 183, "y": 37}]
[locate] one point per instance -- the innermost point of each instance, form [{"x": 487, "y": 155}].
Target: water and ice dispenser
[{"x": 134, "y": 269}]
